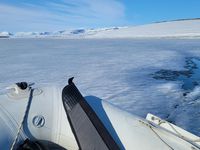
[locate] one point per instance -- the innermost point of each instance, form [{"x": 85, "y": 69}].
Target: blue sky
[{"x": 53, "y": 15}]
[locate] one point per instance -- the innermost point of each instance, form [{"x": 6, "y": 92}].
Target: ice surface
[{"x": 117, "y": 70}]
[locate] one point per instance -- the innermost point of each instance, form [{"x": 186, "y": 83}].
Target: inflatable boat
[{"x": 55, "y": 118}]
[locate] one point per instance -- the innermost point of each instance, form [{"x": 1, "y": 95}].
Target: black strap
[{"x": 88, "y": 129}]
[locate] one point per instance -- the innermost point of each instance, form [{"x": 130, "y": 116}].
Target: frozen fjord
[{"x": 117, "y": 70}]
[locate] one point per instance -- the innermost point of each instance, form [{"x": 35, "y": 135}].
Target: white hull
[{"x": 47, "y": 120}]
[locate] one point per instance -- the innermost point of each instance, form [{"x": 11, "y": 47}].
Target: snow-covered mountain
[
  {"x": 5, "y": 34},
  {"x": 77, "y": 33},
  {"x": 177, "y": 28}
]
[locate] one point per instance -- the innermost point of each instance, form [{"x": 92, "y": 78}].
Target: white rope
[
  {"x": 23, "y": 120},
  {"x": 178, "y": 133},
  {"x": 150, "y": 126},
  {"x": 161, "y": 138}
]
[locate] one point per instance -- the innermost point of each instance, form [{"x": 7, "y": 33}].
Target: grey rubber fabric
[{"x": 89, "y": 131}]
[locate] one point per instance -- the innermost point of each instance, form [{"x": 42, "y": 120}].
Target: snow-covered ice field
[{"x": 117, "y": 70}]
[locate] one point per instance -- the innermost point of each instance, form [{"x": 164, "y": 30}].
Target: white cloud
[{"x": 61, "y": 14}]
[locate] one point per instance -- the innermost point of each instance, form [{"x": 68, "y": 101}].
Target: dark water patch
[
  {"x": 189, "y": 76},
  {"x": 170, "y": 75},
  {"x": 176, "y": 106}
]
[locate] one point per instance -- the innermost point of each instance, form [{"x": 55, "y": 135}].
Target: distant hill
[
  {"x": 182, "y": 28},
  {"x": 5, "y": 34},
  {"x": 175, "y": 28}
]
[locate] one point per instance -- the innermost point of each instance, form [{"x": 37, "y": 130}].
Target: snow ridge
[{"x": 183, "y": 28}]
